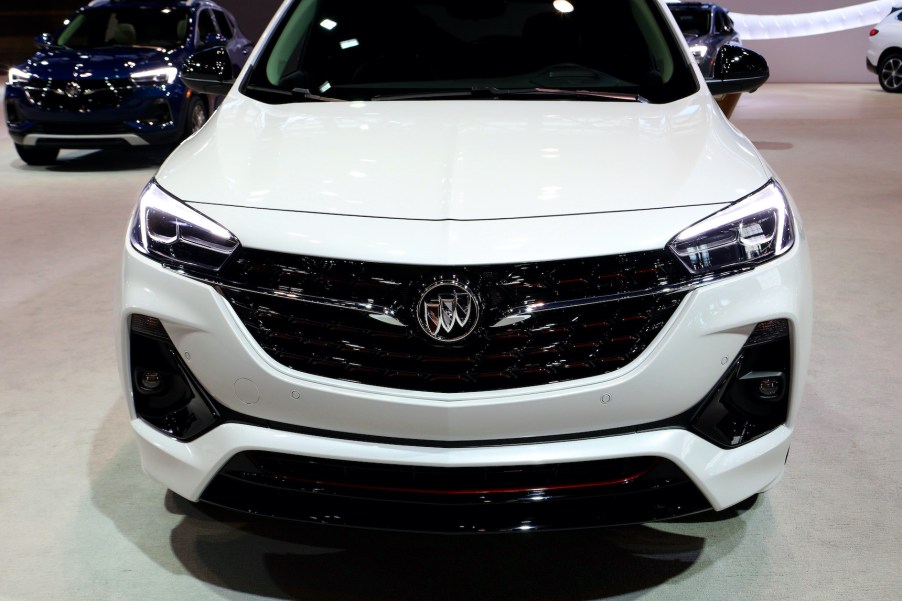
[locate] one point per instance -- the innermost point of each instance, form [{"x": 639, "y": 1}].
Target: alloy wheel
[{"x": 891, "y": 73}]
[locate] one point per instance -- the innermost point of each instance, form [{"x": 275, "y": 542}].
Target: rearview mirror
[
  {"x": 737, "y": 69},
  {"x": 209, "y": 71}
]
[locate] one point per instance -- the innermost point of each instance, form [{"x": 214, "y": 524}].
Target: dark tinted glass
[
  {"x": 154, "y": 27},
  {"x": 225, "y": 28},
  {"x": 357, "y": 49},
  {"x": 692, "y": 21}
]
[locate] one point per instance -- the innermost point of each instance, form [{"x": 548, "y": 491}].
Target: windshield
[
  {"x": 153, "y": 27},
  {"x": 692, "y": 21},
  {"x": 372, "y": 49}
]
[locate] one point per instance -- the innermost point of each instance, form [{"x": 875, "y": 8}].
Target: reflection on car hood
[
  {"x": 465, "y": 160},
  {"x": 114, "y": 62}
]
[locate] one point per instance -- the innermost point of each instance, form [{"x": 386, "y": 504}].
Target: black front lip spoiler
[{"x": 429, "y": 513}]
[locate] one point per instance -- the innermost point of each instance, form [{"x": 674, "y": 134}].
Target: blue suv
[{"x": 110, "y": 77}]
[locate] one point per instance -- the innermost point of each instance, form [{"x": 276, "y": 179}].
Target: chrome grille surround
[{"x": 541, "y": 323}]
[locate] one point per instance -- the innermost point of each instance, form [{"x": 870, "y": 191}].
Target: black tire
[
  {"x": 889, "y": 72},
  {"x": 197, "y": 115},
  {"x": 39, "y": 156}
]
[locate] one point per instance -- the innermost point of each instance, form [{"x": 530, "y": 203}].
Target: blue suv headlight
[
  {"x": 17, "y": 76},
  {"x": 161, "y": 75}
]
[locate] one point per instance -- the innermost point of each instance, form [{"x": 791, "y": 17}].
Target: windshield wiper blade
[
  {"x": 311, "y": 96},
  {"x": 492, "y": 92},
  {"x": 563, "y": 92},
  {"x": 293, "y": 93},
  {"x": 427, "y": 95}
]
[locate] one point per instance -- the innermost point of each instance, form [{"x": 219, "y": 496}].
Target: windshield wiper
[
  {"x": 597, "y": 94},
  {"x": 492, "y": 92},
  {"x": 304, "y": 92},
  {"x": 293, "y": 93}
]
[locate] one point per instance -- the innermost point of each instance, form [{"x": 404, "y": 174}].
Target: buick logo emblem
[
  {"x": 447, "y": 311},
  {"x": 72, "y": 90}
]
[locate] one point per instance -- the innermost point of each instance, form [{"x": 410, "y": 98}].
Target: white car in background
[
  {"x": 467, "y": 266},
  {"x": 885, "y": 51}
]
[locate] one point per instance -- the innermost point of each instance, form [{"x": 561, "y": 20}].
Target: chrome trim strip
[
  {"x": 383, "y": 314},
  {"x": 609, "y": 298},
  {"x": 132, "y": 139},
  {"x": 389, "y": 316}
]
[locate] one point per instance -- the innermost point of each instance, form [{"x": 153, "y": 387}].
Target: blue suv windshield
[{"x": 151, "y": 27}]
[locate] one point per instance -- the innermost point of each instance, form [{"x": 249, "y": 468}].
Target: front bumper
[
  {"x": 148, "y": 116},
  {"x": 605, "y": 418},
  {"x": 870, "y": 66}
]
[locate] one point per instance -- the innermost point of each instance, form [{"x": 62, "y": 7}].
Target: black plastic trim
[{"x": 664, "y": 492}]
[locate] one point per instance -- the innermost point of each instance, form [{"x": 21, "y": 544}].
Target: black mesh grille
[
  {"x": 84, "y": 95},
  {"x": 551, "y": 346}
]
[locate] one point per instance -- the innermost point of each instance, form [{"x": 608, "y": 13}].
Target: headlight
[
  {"x": 170, "y": 231},
  {"x": 753, "y": 230},
  {"x": 698, "y": 51},
  {"x": 156, "y": 76},
  {"x": 18, "y": 76}
]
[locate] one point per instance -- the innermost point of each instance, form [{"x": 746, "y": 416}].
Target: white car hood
[{"x": 464, "y": 160}]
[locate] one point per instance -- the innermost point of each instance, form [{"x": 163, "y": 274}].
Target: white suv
[
  {"x": 472, "y": 266},
  {"x": 885, "y": 51}
]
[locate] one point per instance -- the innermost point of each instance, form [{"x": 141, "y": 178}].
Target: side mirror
[
  {"x": 737, "y": 69},
  {"x": 43, "y": 41},
  {"x": 209, "y": 71}
]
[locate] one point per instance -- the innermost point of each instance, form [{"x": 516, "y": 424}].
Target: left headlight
[
  {"x": 162, "y": 75},
  {"x": 169, "y": 231},
  {"x": 699, "y": 51},
  {"x": 17, "y": 76},
  {"x": 752, "y": 230}
]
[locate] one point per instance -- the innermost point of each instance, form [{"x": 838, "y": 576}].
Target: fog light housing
[
  {"x": 752, "y": 398},
  {"x": 12, "y": 114},
  {"x": 164, "y": 392},
  {"x": 158, "y": 115}
]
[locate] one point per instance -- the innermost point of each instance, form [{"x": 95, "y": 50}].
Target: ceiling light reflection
[{"x": 563, "y": 6}]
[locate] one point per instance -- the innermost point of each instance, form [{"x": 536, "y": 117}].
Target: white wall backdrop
[{"x": 837, "y": 57}]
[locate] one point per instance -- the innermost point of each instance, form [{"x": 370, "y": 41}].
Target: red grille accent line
[
  {"x": 486, "y": 491},
  {"x": 395, "y": 471}
]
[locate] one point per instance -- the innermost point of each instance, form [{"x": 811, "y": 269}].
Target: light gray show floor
[{"x": 80, "y": 520}]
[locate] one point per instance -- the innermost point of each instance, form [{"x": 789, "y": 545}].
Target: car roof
[
  {"x": 697, "y": 5},
  {"x": 153, "y": 3}
]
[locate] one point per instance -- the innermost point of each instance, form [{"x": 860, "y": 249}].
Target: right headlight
[
  {"x": 17, "y": 76},
  {"x": 752, "y": 230},
  {"x": 160, "y": 75},
  {"x": 169, "y": 231}
]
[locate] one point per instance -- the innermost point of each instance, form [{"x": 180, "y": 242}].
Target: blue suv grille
[{"x": 84, "y": 95}]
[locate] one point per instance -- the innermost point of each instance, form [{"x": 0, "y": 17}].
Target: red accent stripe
[{"x": 488, "y": 491}]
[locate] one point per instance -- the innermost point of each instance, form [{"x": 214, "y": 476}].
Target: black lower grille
[
  {"x": 528, "y": 497},
  {"x": 579, "y": 338}
]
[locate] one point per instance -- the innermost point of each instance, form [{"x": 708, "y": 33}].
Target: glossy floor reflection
[{"x": 82, "y": 522}]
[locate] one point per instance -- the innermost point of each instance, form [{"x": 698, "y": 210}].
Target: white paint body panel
[
  {"x": 469, "y": 182},
  {"x": 464, "y": 160},
  {"x": 890, "y": 36}
]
